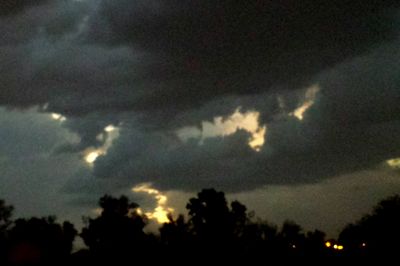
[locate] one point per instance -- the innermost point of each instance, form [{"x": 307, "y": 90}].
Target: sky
[{"x": 291, "y": 107}]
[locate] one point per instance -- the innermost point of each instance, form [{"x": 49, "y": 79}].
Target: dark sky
[{"x": 292, "y": 107}]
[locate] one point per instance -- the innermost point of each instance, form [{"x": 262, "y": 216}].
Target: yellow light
[
  {"x": 225, "y": 126},
  {"x": 92, "y": 157},
  {"x": 109, "y": 128},
  {"x": 58, "y": 117},
  {"x": 328, "y": 244},
  {"x": 309, "y": 100},
  {"x": 160, "y": 213},
  {"x": 139, "y": 211},
  {"x": 340, "y": 247},
  {"x": 258, "y": 138},
  {"x": 97, "y": 211},
  {"x": 394, "y": 163},
  {"x": 91, "y": 154},
  {"x": 55, "y": 116}
]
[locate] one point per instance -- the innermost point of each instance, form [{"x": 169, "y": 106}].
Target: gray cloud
[
  {"x": 154, "y": 67},
  {"x": 22, "y": 20},
  {"x": 31, "y": 177},
  {"x": 352, "y": 126},
  {"x": 12, "y": 7}
]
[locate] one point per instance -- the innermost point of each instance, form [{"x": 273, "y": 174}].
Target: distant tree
[
  {"x": 259, "y": 240},
  {"x": 5, "y": 216},
  {"x": 216, "y": 227},
  {"x": 291, "y": 237},
  {"x": 5, "y": 222},
  {"x": 315, "y": 243},
  {"x": 175, "y": 232},
  {"x": 176, "y": 238},
  {"x": 377, "y": 233},
  {"x": 117, "y": 232},
  {"x": 40, "y": 240}
]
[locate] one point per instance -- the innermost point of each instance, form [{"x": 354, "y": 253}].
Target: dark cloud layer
[
  {"x": 153, "y": 67},
  {"x": 352, "y": 126},
  {"x": 12, "y": 7},
  {"x": 209, "y": 48},
  {"x": 183, "y": 54}
]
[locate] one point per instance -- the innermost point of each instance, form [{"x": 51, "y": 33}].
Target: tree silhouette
[
  {"x": 5, "y": 221},
  {"x": 40, "y": 240},
  {"x": 117, "y": 232},
  {"x": 259, "y": 240},
  {"x": 210, "y": 215},
  {"x": 217, "y": 229},
  {"x": 291, "y": 239},
  {"x": 376, "y": 234},
  {"x": 5, "y": 216},
  {"x": 214, "y": 231},
  {"x": 176, "y": 238},
  {"x": 315, "y": 243}
]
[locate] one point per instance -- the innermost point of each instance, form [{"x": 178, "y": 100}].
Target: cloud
[
  {"x": 163, "y": 58},
  {"x": 196, "y": 52},
  {"x": 12, "y": 7},
  {"x": 221, "y": 126},
  {"x": 349, "y": 127},
  {"x": 153, "y": 68},
  {"x": 31, "y": 176},
  {"x": 23, "y": 20}
]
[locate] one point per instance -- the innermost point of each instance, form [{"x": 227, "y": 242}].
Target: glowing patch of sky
[
  {"x": 394, "y": 163},
  {"x": 160, "y": 213},
  {"x": 58, "y": 117},
  {"x": 110, "y": 134},
  {"x": 309, "y": 99},
  {"x": 220, "y": 126}
]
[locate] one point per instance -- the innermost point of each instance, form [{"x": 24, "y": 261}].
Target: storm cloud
[{"x": 155, "y": 68}]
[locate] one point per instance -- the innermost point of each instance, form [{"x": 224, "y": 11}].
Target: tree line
[{"x": 213, "y": 231}]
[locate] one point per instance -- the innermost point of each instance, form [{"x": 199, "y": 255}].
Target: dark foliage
[
  {"x": 376, "y": 234},
  {"x": 40, "y": 241},
  {"x": 215, "y": 231},
  {"x": 117, "y": 231}
]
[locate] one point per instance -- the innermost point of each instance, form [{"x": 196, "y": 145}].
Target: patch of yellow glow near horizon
[
  {"x": 394, "y": 163},
  {"x": 160, "y": 213},
  {"x": 221, "y": 126},
  {"x": 328, "y": 244},
  {"x": 309, "y": 99},
  {"x": 58, "y": 117},
  {"x": 97, "y": 211}
]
